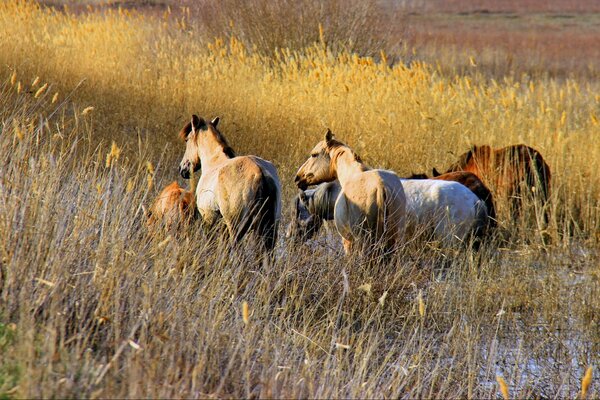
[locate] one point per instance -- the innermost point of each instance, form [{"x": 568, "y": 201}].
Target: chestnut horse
[
  {"x": 371, "y": 204},
  {"x": 174, "y": 207},
  {"x": 242, "y": 190},
  {"x": 473, "y": 183},
  {"x": 507, "y": 170}
]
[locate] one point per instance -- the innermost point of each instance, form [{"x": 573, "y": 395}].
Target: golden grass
[{"x": 91, "y": 306}]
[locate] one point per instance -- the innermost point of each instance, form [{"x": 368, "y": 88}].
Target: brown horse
[
  {"x": 507, "y": 170},
  {"x": 174, "y": 207},
  {"x": 473, "y": 183}
]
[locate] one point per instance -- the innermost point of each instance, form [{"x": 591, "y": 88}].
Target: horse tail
[
  {"x": 266, "y": 202},
  {"x": 482, "y": 219},
  {"x": 544, "y": 176},
  {"x": 491, "y": 208},
  {"x": 381, "y": 212}
]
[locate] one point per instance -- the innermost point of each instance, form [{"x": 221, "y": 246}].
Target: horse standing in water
[
  {"x": 371, "y": 204},
  {"x": 242, "y": 190},
  {"x": 174, "y": 207},
  {"x": 471, "y": 182},
  {"x": 507, "y": 170}
]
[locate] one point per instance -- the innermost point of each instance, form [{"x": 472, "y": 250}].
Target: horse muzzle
[
  {"x": 302, "y": 182},
  {"x": 185, "y": 172}
]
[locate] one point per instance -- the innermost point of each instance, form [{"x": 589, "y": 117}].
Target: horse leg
[{"x": 347, "y": 246}]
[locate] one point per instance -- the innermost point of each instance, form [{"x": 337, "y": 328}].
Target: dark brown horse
[
  {"x": 508, "y": 170},
  {"x": 473, "y": 183}
]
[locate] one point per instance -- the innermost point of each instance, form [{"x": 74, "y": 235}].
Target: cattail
[
  {"x": 19, "y": 87},
  {"x": 384, "y": 59},
  {"x": 150, "y": 167},
  {"x": 87, "y": 110},
  {"x": 55, "y": 98},
  {"x": 149, "y": 175},
  {"x": 13, "y": 78},
  {"x": 114, "y": 154},
  {"x": 503, "y": 387},
  {"x": 421, "y": 304},
  {"x": 321, "y": 34},
  {"x": 19, "y": 131},
  {"x": 41, "y": 90},
  {"x": 382, "y": 298},
  {"x": 35, "y": 81},
  {"x": 586, "y": 382},
  {"x": 245, "y": 313}
]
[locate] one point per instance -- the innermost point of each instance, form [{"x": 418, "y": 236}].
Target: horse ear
[
  {"x": 215, "y": 121},
  {"x": 435, "y": 172},
  {"x": 197, "y": 123},
  {"x": 328, "y": 135}
]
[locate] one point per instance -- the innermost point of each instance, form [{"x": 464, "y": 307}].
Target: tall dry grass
[{"x": 92, "y": 306}]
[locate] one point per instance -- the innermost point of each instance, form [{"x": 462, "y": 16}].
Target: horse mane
[
  {"x": 418, "y": 176},
  {"x": 227, "y": 149},
  {"x": 334, "y": 144},
  {"x": 185, "y": 131}
]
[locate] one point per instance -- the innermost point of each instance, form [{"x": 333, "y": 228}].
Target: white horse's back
[{"x": 450, "y": 208}]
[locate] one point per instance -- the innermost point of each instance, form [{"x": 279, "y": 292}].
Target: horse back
[
  {"x": 475, "y": 185},
  {"x": 173, "y": 204},
  {"x": 249, "y": 196}
]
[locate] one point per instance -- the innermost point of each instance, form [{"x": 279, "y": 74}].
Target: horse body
[
  {"x": 244, "y": 191},
  {"x": 311, "y": 208},
  {"x": 173, "y": 206},
  {"x": 450, "y": 209},
  {"x": 371, "y": 204},
  {"x": 471, "y": 182},
  {"x": 507, "y": 169}
]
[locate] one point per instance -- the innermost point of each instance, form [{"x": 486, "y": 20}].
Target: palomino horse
[
  {"x": 450, "y": 209},
  {"x": 173, "y": 207},
  {"x": 473, "y": 183},
  {"x": 243, "y": 190},
  {"x": 506, "y": 170},
  {"x": 371, "y": 203}
]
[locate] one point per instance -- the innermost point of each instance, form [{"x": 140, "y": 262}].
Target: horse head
[
  {"x": 317, "y": 168},
  {"x": 191, "y": 134}
]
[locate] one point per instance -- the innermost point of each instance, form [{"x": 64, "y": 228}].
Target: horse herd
[{"x": 367, "y": 206}]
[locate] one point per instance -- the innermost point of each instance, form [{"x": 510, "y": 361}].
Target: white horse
[
  {"x": 371, "y": 204},
  {"x": 449, "y": 209},
  {"x": 244, "y": 191}
]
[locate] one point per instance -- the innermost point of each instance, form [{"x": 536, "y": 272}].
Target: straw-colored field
[{"x": 92, "y": 307}]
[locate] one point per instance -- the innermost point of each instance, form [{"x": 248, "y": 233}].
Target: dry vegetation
[{"x": 93, "y": 307}]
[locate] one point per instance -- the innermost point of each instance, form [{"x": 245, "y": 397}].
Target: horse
[
  {"x": 450, "y": 209},
  {"x": 174, "y": 207},
  {"x": 474, "y": 184},
  {"x": 371, "y": 204},
  {"x": 311, "y": 208},
  {"x": 506, "y": 170},
  {"x": 242, "y": 191}
]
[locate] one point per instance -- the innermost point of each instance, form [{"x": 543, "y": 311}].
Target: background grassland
[{"x": 94, "y": 307}]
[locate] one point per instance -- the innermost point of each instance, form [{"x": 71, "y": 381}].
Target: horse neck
[
  {"x": 345, "y": 164},
  {"x": 211, "y": 152}
]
